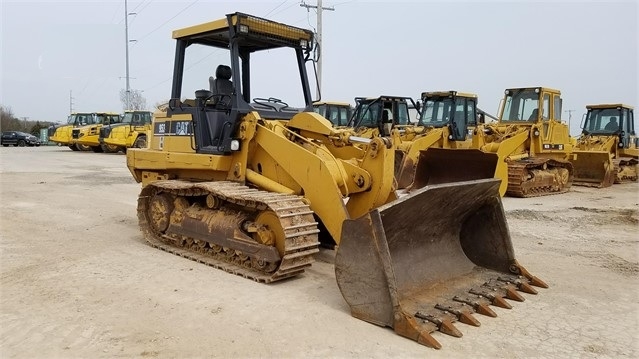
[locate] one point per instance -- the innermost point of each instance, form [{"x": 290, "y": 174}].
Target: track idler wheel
[{"x": 159, "y": 212}]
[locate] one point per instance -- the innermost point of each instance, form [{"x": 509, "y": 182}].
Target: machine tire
[
  {"x": 109, "y": 149},
  {"x": 82, "y": 147},
  {"x": 140, "y": 142},
  {"x": 97, "y": 149},
  {"x": 74, "y": 148},
  {"x": 21, "y": 143},
  {"x": 5, "y": 145}
]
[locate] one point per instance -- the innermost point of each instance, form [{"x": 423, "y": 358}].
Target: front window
[
  {"x": 113, "y": 119},
  {"x": 71, "y": 120},
  {"x": 85, "y": 119},
  {"x": 602, "y": 121},
  {"x": 321, "y": 110},
  {"x": 128, "y": 117},
  {"x": 343, "y": 115},
  {"x": 402, "y": 114},
  {"x": 471, "y": 112},
  {"x": 546, "y": 107},
  {"x": 437, "y": 112},
  {"x": 274, "y": 76},
  {"x": 367, "y": 114},
  {"x": 521, "y": 105}
]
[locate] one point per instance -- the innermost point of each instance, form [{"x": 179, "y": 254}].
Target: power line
[
  {"x": 284, "y": 9},
  {"x": 275, "y": 8},
  {"x": 164, "y": 23},
  {"x": 140, "y": 4}
]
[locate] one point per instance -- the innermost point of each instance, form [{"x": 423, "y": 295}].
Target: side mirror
[{"x": 418, "y": 105}]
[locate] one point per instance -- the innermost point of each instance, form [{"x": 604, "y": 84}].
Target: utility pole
[
  {"x": 70, "y": 101},
  {"x": 569, "y": 118},
  {"x": 318, "y": 36},
  {"x": 126, "y": 34}
]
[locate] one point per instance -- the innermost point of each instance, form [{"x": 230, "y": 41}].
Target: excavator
[
  {"x": 607, "y": 151},
  {"x": 530, "y": 143},
  {"x": 339, "y": 113},
  {"x": 237, "y": 178},
  {"x": 131, "y": 132}
]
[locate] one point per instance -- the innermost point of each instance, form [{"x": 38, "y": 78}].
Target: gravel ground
[{"x": 77, "y": 280}]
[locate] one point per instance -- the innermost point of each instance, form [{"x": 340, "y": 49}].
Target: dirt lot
[{"x": 77, "y": 280}]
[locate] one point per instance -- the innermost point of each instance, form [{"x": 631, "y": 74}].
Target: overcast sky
[{"x": 586, "y": 49}]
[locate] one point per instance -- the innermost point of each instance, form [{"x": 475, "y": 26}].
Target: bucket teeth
[
  {"x": 480, "y": 308},
  {"x": 463, "y": 316},
  {"x": 447, "y": 327},
  {"x": 526, "y": 288},
  {"x": 483, "y": 309},
  {"x": 443, "y": 325},
  {"x": 408, "y": 327},
  {"x": 518, "y": 268},
  {"x": 537, "y": 282},
  {"x": 495, "y": 300},
  {"x": 501, "y": 302},
  {"x": 521, "y": 285},
  {"x": 512, "y": 294},
  {"x": 428, "y": 340}
]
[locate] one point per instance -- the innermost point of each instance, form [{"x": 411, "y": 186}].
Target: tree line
[{"x": 9, "y": 122}]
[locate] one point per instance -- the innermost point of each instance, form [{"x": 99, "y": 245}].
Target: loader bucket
[
  {"x": 438, "y": 165},
  {"x": 593, "y": 168},
  {"x": 431, "y": 258}
]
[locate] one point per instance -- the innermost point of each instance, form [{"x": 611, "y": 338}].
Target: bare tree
[
  {"x": 136, "y": 100},
  {"x": 8, "y": 121},
  {"x": 162, "y": 105}
]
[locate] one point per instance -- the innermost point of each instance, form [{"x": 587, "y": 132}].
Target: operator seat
[
  {"x": 221, "y": 84},
  {"x": 534, "y": 115}
]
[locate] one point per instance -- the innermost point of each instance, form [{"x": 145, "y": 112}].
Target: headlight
[
  {"x": 244, "y": 29},
  {"x": 235, "y": 145}
]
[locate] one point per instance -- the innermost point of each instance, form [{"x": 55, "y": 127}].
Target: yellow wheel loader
[
  {"x": 131, "y": 132},
  {"x": 241, "y": 180},
  {"x": 62, "y": 134},
  {"x": 529, "y": 144},
  {"x": 89, "y": 135},
  {"x": 607, "y": 151},
  {"x": 339, "y": 113}
]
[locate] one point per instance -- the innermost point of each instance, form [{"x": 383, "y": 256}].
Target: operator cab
[
  {"x": 383, "y": 112},
  {"x": 609, "y": 120},
  {"x": 530, "y": 105},
  {"x": 257, "y": 65},
  {"x": 451, "y": 109},
  {"x": 339, "y": 113}
]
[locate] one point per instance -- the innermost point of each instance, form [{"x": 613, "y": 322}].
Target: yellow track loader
[
  {"x": 447, "y": 120},
  {"x": 607, "y": 151},
  {"x": 339, "y": 113},
  {"x": 244, "y": 181},
  {"x": 378, "y": 116},
  {"x": 131, "y": 132},
  {"x": 529, "y": 144}
]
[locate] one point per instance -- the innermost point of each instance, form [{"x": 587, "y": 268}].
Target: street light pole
[{"x": 126, "y": 33}]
